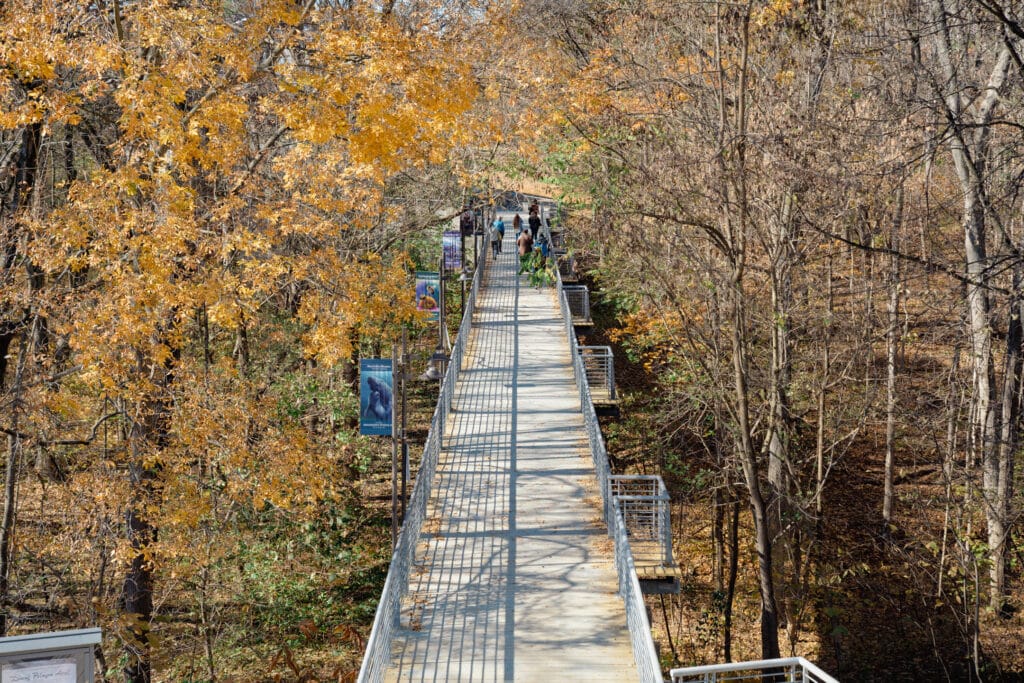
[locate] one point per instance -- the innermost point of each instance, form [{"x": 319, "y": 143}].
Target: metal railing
[
  {"x": 566, "y": 264},
  {"x": 644, "y": 653},
  {"x": 389, "y": 609},
  {"x": 599, "y": 364},
  {"x": 791, "y": 670},
  {"x": 578, "y": 299},
  {"x": 643, "y": 502}
]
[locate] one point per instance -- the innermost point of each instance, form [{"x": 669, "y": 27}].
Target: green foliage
[
  {"x": 302, "y": 581},
  {"x": 423, "y": 249},
  {"x": 540, "y": 271},
  {"x": 688, "y": 478},
  {"x": 300, "y": 395}
]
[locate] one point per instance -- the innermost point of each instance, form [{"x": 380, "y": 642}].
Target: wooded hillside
[
  {"x": 806, "y": 217},
  {"x": 803, "y": 219}
]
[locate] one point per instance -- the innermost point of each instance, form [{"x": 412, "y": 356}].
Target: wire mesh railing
[
  {"x": 787, "y": 670},
  {"x": 643, "y": 502},
  {"x": 599, "y": 364},
  {"x": 578, "y": 299},
  {"x": 566, "y": 265},
  {"x": 389, "y": 610},
  {"x": 644, "y": 652}
]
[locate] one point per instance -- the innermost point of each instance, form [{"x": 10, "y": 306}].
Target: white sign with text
[{"x": 50, "y": 671}]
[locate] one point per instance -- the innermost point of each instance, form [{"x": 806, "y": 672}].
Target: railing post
[
  {"x": 667, "y": 522},
  {"x": 610, "y": 359},
  {"x": 609, "y": 504}
]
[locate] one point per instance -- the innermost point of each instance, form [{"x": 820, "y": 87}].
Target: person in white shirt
[{"x": 495, "y": 236}]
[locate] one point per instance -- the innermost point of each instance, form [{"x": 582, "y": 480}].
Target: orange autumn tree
[{"x": 220, "y": 165}]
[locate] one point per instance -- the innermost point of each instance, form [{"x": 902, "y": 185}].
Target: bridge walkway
[{"x": 514, "y": 576}]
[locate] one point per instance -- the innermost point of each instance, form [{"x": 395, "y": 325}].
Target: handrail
[
  {"x": 644, "y": 498},
  {"x": 580, "y": 296},
  {"x": 378, "y": 645},
  {"x": 644, "y": 652},
  {"x": 600, "y": 365},
  {"x": 794, "y": 669}
]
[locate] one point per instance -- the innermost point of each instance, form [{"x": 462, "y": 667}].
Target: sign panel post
[
  {"x": 428, "y": 293},
  {"x": 450, "y": 241},
  {"x": 376, "y": 396}
]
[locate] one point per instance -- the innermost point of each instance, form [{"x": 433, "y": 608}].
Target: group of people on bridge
[{"x": 535, "y": 234}]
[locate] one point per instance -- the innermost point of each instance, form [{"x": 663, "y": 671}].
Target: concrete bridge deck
[{"x": 514, "y": 577}]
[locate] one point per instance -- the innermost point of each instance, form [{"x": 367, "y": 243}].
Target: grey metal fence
[
  {"x": 389, "y": 610},
  {"x": 789, "y": 669},
  {"x": 599, "y": 364},
  {"x": 643, "y": 502},
  {"x": 566, "y": 265},
  {"x": 578, "y": 299},
  {"x": 644, "y": 652}
]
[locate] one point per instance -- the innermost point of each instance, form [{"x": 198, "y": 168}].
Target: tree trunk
[
  {"x": 748, "y": 458},
  {"x": 989, "y": 429},
  {"x": 14, "y": 447},
  {"x": 148, "y": 437},
  {"x": 241, "y": 350},
  {"x": 826, "y": 370},
  {"x": 736, "y": 224},
  {"x": 137, "y": 590},
  {"x": 891, "y": 347},
  {"x": 7, "y": 526},
  {"x": 778, "y": 427},
  {"x": 718, "y": 540},
  {"x": 734, "y": 566},
  {"x": 998, "y": 474},
  {"x": 22, "y": 188},
  {"x": 8, "y": 330}
]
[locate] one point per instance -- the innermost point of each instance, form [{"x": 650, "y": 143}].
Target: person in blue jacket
[{"x": 499, "y": 226}]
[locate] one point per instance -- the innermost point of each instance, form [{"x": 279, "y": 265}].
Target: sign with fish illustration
[
  {"x": 452, "y": 250},
  {"x": 428, "y": 293},
  {"x": 376, "y": 396}
]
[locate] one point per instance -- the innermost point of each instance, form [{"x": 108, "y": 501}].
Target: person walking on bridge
[
  {"x": 525, "y": 244},
  {"x": 495, "y": 236},
  {"x": 534, "y": 223},
  {"x": 517, "y": 225},
  {"x": 499, "y": 225},
  {"x": 544, "y": 238}
]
